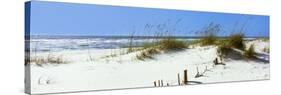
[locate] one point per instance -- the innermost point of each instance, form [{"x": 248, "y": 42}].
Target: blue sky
[{"x": 53, "y": 18}]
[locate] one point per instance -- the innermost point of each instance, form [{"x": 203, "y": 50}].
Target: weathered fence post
[
  {"x": 159, "y": 83},
  {"x": 185, "y": 77},
  {"x": 179, "y": 81},
  {"x": 155, "y": 85}
]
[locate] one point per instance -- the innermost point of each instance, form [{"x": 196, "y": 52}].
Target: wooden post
[
  {"x": 155, "y": 85},
  {"x": 185, "y": 77},
  {"x": 179, "y": 81},
  {"x": 167, "y": 84},
  {"x": 161, "y": 82}
]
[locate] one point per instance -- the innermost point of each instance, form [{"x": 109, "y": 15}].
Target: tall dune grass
[
  {"x": 172, "y": 43},
  {"x": 236, "y": 41},
  {"x": 165, "y": 44},
  {"x": 209, "y": 34},
  {"x": 130, "y": 48}
]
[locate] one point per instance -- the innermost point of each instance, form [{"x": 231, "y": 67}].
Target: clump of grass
[
  {"x": 233, "y": 41},
  {"x": 148, "y": 45},
  {"x": 236, "y": 41},
  {"x": 250, "y": 52},
  {"x": 208, "y": 40},
  {"x": 210, "y": 37},
  {"x": 40, "y": 60},
  {"x": 130, "y": 50},
  {"x": 166, "y": 44},
  {"x": 172, "y": 44},
  {"x": 148, "y": 53},
  {"x": 209, "y": 34}
]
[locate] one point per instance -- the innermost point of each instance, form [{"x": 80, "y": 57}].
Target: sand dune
[{"x": 125, "y": 71}]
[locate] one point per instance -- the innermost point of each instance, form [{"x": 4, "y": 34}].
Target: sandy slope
[{"x": 125, "y": 71}]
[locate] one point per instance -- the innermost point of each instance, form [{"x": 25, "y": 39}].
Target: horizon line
[{"x": 137, "y": 36}]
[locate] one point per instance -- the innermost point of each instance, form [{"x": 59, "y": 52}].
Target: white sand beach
[{"x": 92, "y": 70}]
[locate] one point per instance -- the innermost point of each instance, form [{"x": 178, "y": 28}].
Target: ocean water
[
  {"x": 59, "y": 43},
  {"x": 54, "y": 43}
]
